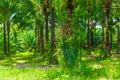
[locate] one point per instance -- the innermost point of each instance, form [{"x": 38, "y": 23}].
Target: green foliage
[
  {"x": 97, "y": 36},
  {"x": 29, "y": 40},
  {"x": 25, "y": 41},
  {"x": 26, "y": 17}
]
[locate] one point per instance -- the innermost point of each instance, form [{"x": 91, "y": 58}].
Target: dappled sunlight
[
  {"x": 27, "y": 54},
  {"x": 3, "y": 61},
  {"x": 95, "y": 66},
  {"x": 102, "y": 78},
  {"x": 22, "y": 61}
]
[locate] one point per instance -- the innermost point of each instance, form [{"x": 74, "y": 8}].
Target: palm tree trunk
[
  {"x": 5, "y": 46},
  {"x": 38, "y": 38},
  {"x": 107, "y": 46},
  {"x": 46, "y": 20},
  {"x": 107, "y": 11},
  {"x": 52, "y": 27},
  {"x": 46, "y": 27},
  {"x": 103, "y": 37},
  {"x": 92, "y": 38},
  {"x": 111, "y": 39},
  {"x": 92, "y": 34},
  {"x": 41, "y": 38},
  {"x": 88, "y": 30},
  {"x": 8, "y": 34},
  {"x": 118, "y": 38}
]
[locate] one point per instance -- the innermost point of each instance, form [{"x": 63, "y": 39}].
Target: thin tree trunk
[
  {"x": 38, "y": 37},
  {"x": 5, "y": 46},
  {"x": 8, "y": 34},
  {"x": 118, "y": 38},
  {"x": 111, "y": 41},
  {"x": 41, "y": 38},
  {"x": 46, "y": 20},
  {"x": 69, "y": 13},
  {"x": 103, "y": 37},
  {"x": 52, "y": 27},
  {"x": 46, "y": 27},
  {"x": 92, "y": 37},
  {"x": 92, "y": 34},
  {"x": 88, "y": 30},
  {"x": 107, "y": 46}
]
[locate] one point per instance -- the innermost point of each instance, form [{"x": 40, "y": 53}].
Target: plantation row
[{"x": 64, "y": 29}]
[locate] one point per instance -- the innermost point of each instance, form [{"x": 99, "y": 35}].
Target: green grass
[
  {"x": 9, "y": 73},
  {"x": 28, "y": 66}
]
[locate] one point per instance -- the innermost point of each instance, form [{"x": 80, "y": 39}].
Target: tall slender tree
[
  {"x": 88, "y": 28},
  {"x": 7, "y": 10},
  {"x": 5, "y": 46},
  {"x": 103, "y": 32},
  {"x": 118, "y": 37},
  {"x": 46, "y": 6},
  {"x": 8, "y": 34},
  {"x": 92, "y": 33},
  {"x": 107, "y": 6},
  {"x": 52, "y": 28}
]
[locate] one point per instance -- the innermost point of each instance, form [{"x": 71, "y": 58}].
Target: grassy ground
[{"x": 24, "y": 66}]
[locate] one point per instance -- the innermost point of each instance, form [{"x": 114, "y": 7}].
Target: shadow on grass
[{"x": 24, "y": 60}]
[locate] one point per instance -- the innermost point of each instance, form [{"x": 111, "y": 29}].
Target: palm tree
[
  {"x": 107, "y": 5},
  {"x": 52, "y": 26},
  {"x": 118, "y": 37},
  {"x": 6, "y": 9},
  {"x": 88, "y": 30},
  {"x": 46, "y": 6},
  {"x": 5, "y": 46}
]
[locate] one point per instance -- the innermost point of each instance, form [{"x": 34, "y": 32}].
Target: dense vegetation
[{"x": 59, "y": 39}]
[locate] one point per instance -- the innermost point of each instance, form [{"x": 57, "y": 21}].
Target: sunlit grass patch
[{"x": 10, "y": 73}]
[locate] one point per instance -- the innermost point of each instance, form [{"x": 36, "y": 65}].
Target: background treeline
[{"x": 60, "y": 29}]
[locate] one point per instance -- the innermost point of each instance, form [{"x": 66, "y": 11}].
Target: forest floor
[
  {"x": 27, "y": 66},
  {"x": 26, "y": 60}
]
